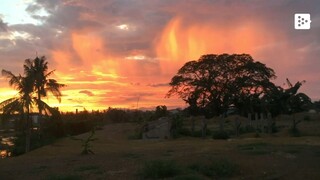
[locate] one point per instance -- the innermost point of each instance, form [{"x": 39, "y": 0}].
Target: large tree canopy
[{"x": 213, "y": 83}]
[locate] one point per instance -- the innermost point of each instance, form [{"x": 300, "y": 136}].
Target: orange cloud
[{"x": 183, "y": 40}]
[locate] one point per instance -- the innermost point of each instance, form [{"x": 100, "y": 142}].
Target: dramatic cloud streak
[{"x": 123, "y": 53}]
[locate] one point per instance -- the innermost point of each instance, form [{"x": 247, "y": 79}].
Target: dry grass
[{"x": 117, "y": 157}]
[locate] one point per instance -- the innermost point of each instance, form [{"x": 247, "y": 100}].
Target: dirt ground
[{"x": 117, "y": 157}]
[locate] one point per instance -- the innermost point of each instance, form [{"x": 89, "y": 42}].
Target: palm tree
[
  {"x": 21, "y": 103},
  {"x": 37, "y": 69},
  {"x": 35, "y": 81}
]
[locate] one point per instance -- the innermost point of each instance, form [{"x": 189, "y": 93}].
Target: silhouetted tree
[
  {"x": 22, "y": 103},
  {"x": 214, "y": 82},
  {"x": 161, "y": 111},
  {"x": 37, "y": 71},
  {"x": 287, "y": 101},
  {"x": 35, "y": 80}
]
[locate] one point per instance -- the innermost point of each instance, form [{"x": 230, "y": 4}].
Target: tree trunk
[
  {"x": 28, "y": 132},
  {"x": 40, "y": 131}
]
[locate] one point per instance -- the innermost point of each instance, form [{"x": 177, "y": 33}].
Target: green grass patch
[
  {"x": 216, "y": 168},
  {"x": 159, "y": 169},
  {"x": 258, "y": 148}
]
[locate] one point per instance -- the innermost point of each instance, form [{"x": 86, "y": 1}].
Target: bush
[
  {"x": 159, "y": 169},
  {"x": 220, "y": 135},
  {"x": 217, "y": 168}
]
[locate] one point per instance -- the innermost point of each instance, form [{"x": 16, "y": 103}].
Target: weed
[{"x": 86, "y": 143}]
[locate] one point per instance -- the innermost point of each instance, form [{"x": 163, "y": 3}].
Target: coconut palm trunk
[
  {"x": 40, "y": 115},
  {"x": 28, "y": 130}
]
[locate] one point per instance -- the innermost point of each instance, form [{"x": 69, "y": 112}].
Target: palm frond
[
  {"x": 13, "y": 79},
  {"x": 45, "y": 107},
  {"x": 54, "y": 87},
  {"x": 11, "y": 106}
]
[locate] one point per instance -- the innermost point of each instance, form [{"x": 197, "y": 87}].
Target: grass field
[{"x": 276, "y": 156}]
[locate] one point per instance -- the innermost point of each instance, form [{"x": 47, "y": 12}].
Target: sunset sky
[{"x": 123, "y": 53}]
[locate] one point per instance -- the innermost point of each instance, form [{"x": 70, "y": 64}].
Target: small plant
[
  {"x": 159, "y": 169},
  {"x": 86, "y": 143}
]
